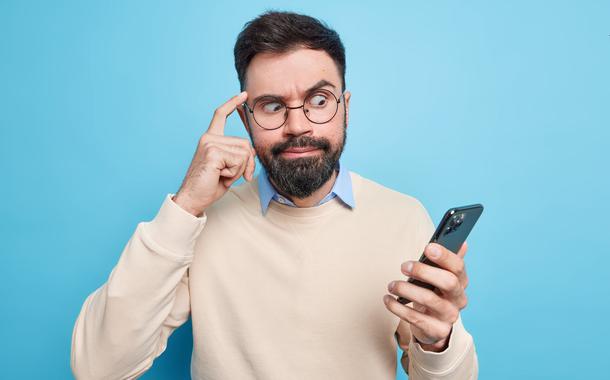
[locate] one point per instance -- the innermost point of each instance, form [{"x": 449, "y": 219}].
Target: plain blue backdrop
[{"x": 454, "y": 102}]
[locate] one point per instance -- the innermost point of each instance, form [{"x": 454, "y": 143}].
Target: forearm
[{"x": 124, "y": 325}]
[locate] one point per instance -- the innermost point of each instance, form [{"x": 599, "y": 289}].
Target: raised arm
[{"x": 124, "y": 325}]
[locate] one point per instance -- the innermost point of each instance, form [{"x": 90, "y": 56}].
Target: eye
[
  {"x": 272, "y": 107},
  {"x": 318, "y": 99}
]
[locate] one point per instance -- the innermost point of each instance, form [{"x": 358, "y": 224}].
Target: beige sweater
[{"x": 293, "y": 294}]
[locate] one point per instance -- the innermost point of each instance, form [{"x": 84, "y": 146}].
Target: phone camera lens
[{"x": 459, "y": 219}]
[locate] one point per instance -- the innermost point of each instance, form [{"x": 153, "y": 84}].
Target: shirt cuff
[
  {"x": 460, "y": 342},
  {"x": 174, "y": 228}
]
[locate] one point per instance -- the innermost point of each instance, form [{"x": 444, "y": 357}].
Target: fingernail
[
  {"x": 409, "y": 266},
  {"x": 391, "y": 285},
  {"x": 386, "y": 299},
  {"x": 434, "y": 251}
]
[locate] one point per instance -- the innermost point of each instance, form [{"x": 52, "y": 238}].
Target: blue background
[{"x": 503, "y": 103}]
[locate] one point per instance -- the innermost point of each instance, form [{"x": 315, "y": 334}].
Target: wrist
[
  {"x": 439, "y": 346},
  {"x": 188, "y": 206}
]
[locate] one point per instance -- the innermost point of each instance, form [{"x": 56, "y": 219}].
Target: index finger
[
  {"x": 217, "y": 126},
  {"x": 449, "y": 260}
]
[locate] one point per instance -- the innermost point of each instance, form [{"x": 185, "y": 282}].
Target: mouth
[{"x": 300, "y": 152}]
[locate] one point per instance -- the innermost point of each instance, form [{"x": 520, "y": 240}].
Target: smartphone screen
[{"x": 451, "y": 233}]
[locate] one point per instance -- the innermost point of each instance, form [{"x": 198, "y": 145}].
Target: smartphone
[{"x": 451, "y": 233}]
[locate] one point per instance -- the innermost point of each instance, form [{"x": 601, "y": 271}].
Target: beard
[{"x": 301, "y": 177}]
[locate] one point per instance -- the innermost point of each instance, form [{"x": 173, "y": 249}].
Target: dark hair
[{"x": 281, "y": 32}]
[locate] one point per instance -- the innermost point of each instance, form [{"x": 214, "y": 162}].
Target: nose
[{"x": 296, "y": 122}]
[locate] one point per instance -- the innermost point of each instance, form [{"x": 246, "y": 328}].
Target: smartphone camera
[{"x": 455, "y": 222}]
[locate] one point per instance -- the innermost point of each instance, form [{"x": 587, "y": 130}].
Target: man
[{"x": 285, "y": 276}]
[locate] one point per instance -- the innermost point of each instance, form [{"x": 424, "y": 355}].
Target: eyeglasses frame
[{"x": 338, "y": 100}]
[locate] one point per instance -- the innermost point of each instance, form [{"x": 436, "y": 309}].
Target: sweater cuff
[
  {"x": 460, "y": 342},
  {"x": 175, "y": 229}
]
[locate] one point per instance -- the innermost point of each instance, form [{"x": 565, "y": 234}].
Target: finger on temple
[{"x": 217, "y": 126}]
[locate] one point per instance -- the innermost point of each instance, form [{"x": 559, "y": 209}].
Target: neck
[{"x": 317, "y": 195}]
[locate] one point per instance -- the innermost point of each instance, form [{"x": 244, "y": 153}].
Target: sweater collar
[{"x": 342, "y": 188}]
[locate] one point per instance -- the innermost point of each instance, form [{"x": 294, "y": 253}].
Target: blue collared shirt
[{"x": 342, "y": 189}]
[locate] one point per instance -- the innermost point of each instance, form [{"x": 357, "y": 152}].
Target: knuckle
[
  {"x": 245, "y": 143},
  {"x": 419, "y": 322},
  {"x": 453, "y": 282},
  {"x": 211, "y": 148},
  {"x": 446, "y": 329},
  {"x": 412, "y": 316},
  {"x": 419, "y": 307},
  {"x": 204, "y": 144},
  {"x": 460, "y": 267},
  {"x": 443, "y": 304},
  {"x": 431, "y": 299},
  {"x": 242, "y": 159},
  {"x": 212, "y": 152},
  {"x": 453, "y": 314},
  {"x": 463, "y": 301}
]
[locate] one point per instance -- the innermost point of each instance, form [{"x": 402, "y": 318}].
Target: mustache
[{"x": 301, "y": 142}]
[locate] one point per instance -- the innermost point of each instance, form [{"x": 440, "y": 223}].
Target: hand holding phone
[{"x": 451, "y": 233}]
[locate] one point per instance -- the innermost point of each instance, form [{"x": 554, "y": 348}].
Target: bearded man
[{"x": 286, "y": 275}]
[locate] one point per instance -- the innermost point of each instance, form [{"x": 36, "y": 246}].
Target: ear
[
  {"x": 347, "y": 96},
  {"x": 242, "y": 111}
]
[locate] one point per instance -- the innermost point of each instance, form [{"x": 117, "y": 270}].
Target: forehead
[{"x": 290, "y": 74}]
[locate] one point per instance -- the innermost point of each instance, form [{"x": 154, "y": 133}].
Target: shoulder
[
  {"x": 399, "y": 213},
  {"x": 369, "y": 193}
]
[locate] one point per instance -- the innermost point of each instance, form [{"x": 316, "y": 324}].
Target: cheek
[
  {"x": 265, "y": 139},
  {"x": 335, "y": 133}
]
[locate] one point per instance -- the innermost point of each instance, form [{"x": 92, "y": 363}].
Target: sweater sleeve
[
  {"x": 458, "y": 361},
  {"x": 125, "y": 324}
]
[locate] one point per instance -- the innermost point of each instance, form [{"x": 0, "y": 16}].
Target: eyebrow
[{"x": 320, "y": 84}]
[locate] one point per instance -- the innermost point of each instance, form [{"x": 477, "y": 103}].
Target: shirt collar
[{"x": 342, "y": 188}]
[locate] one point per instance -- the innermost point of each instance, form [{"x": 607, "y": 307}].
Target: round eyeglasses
[{"x": 319, "y": 107}]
